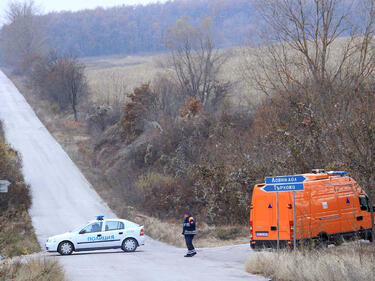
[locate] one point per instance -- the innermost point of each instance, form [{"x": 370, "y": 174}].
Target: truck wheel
[
  {"x": 65, "y": 248},
  {"x": 368, "y": 235},
  {"x": 339, "y": 240},
  {"x": 322, "y": 241},
  {"x": 129, "y": 245}
]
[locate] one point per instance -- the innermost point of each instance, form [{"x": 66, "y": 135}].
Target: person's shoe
[
  {"x": 188, "y": 255},
  {"x": 193, "y": 254}
]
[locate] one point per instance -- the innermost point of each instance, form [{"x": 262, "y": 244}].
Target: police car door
[
  {"x": 91, "y": 237},
  {"x": 115, "y": 230}
]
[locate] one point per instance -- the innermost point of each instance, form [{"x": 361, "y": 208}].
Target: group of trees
[
  {"x": 23, "y": 45},
  {"x": 179, "y": 141},
  {"x": 140, "y": 29},
  {"x": 23, "y": 35},
  {"x": 315, "y": 71}
]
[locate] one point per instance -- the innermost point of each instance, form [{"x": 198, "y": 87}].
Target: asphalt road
[{"x": 63, "y": 199}]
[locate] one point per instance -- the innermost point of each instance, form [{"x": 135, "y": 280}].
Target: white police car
[{"x": 98, "y": 235}]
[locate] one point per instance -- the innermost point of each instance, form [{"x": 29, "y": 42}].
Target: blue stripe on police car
[{"x": 100, "y": 238}]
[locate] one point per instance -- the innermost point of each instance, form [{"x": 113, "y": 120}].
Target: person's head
[{"x": 186, "y": 214}]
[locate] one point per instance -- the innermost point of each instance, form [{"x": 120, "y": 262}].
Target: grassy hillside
[{"x": 16, "y": 231}]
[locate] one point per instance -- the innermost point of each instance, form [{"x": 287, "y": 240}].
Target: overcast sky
[{"x": 75, "y": 5}]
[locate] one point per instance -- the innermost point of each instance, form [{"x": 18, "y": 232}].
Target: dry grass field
[
  {"x": 112, "y": 78},
  {"x": 31, "y": 269},
  {"x": 349, "y": 262}
]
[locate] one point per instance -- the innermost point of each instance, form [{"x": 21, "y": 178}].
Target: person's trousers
[{"x": 189, "y": 243}]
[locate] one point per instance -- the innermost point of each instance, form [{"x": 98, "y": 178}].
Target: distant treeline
[{"x": 137, "y": 29}]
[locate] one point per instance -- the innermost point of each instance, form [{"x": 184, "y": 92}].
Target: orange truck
[{"x": 332, "y": 206}]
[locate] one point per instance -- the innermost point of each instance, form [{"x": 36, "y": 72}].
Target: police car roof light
[
  {"x": 337, "y": 173},
  {"x": 100, "y": 218}
]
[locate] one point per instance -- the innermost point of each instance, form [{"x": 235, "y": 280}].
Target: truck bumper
[{"x": 265, "y": 244}]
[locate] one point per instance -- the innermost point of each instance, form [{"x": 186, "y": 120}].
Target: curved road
[{"x": 63, "y": 199}]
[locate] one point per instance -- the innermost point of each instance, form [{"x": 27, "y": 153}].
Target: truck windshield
[{"x": 363, "y": 202}]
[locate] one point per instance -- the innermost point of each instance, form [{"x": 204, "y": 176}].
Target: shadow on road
[{"x": 94, "y": 253}]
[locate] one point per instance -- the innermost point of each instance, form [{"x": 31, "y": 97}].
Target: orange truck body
[{"x": 331, "y": 207}]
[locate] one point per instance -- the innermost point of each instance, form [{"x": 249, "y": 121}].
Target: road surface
[{"x": 63, "y": 199}]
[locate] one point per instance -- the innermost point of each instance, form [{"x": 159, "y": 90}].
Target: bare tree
[
  {"x": 195, "y": 61},
  {"x": 75, "y": 82},
  {"x": 61, "y": 80},
  {"x": 23, "y": 35},
  {"x": 316, "y": 40}
]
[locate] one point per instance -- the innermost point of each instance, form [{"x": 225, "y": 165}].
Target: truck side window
[{"x": 363, "y": 202}]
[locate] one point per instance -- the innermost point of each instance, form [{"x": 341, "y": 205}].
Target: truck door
[
  {"x": 325, "y": 210},
  {"x": 348, "y": 204},
  {"x": 363, "y": 217}
]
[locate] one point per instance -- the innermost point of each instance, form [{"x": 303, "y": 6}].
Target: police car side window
[
  {"x": 114, "y": 225},
  {"x": 94, "y": 227}
]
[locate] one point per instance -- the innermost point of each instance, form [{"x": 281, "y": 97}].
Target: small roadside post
[
  {"x": 284, "y": 184},
  {"x": 4, "y": 186},
  {"x": 277, "y": 221},
  {"x": 4, "y": 189}
]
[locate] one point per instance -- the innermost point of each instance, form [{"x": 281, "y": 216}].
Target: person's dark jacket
[{"x": 189, "y": 226}]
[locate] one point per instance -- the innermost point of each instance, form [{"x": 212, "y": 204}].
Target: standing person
[{"x": 188, "y": 230}]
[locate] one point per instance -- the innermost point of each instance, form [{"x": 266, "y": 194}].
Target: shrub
[
  {"x": 18, "y": 195},
  {"x": 32, "y": 269},
  {"x": 191, "y": 108},
  {"x": 163, "y": 195},
  {"x": 227, "y": 232},
  {"x": 141, "y": 107},
  {"x": 346, "y": 263}
]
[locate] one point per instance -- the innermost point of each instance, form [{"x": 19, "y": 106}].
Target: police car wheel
[
  {"x": 129, "y": 245},
  {"x": 65, "y": 248}
]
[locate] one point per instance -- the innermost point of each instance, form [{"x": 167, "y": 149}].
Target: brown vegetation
[
  {"x": 16, "y": 232},
  {"x": 208, "y": 236},
  {"x": 349, "y": 262},
  {"x": 31, "y": 269},
  {"x": 60, "y": 80}
]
